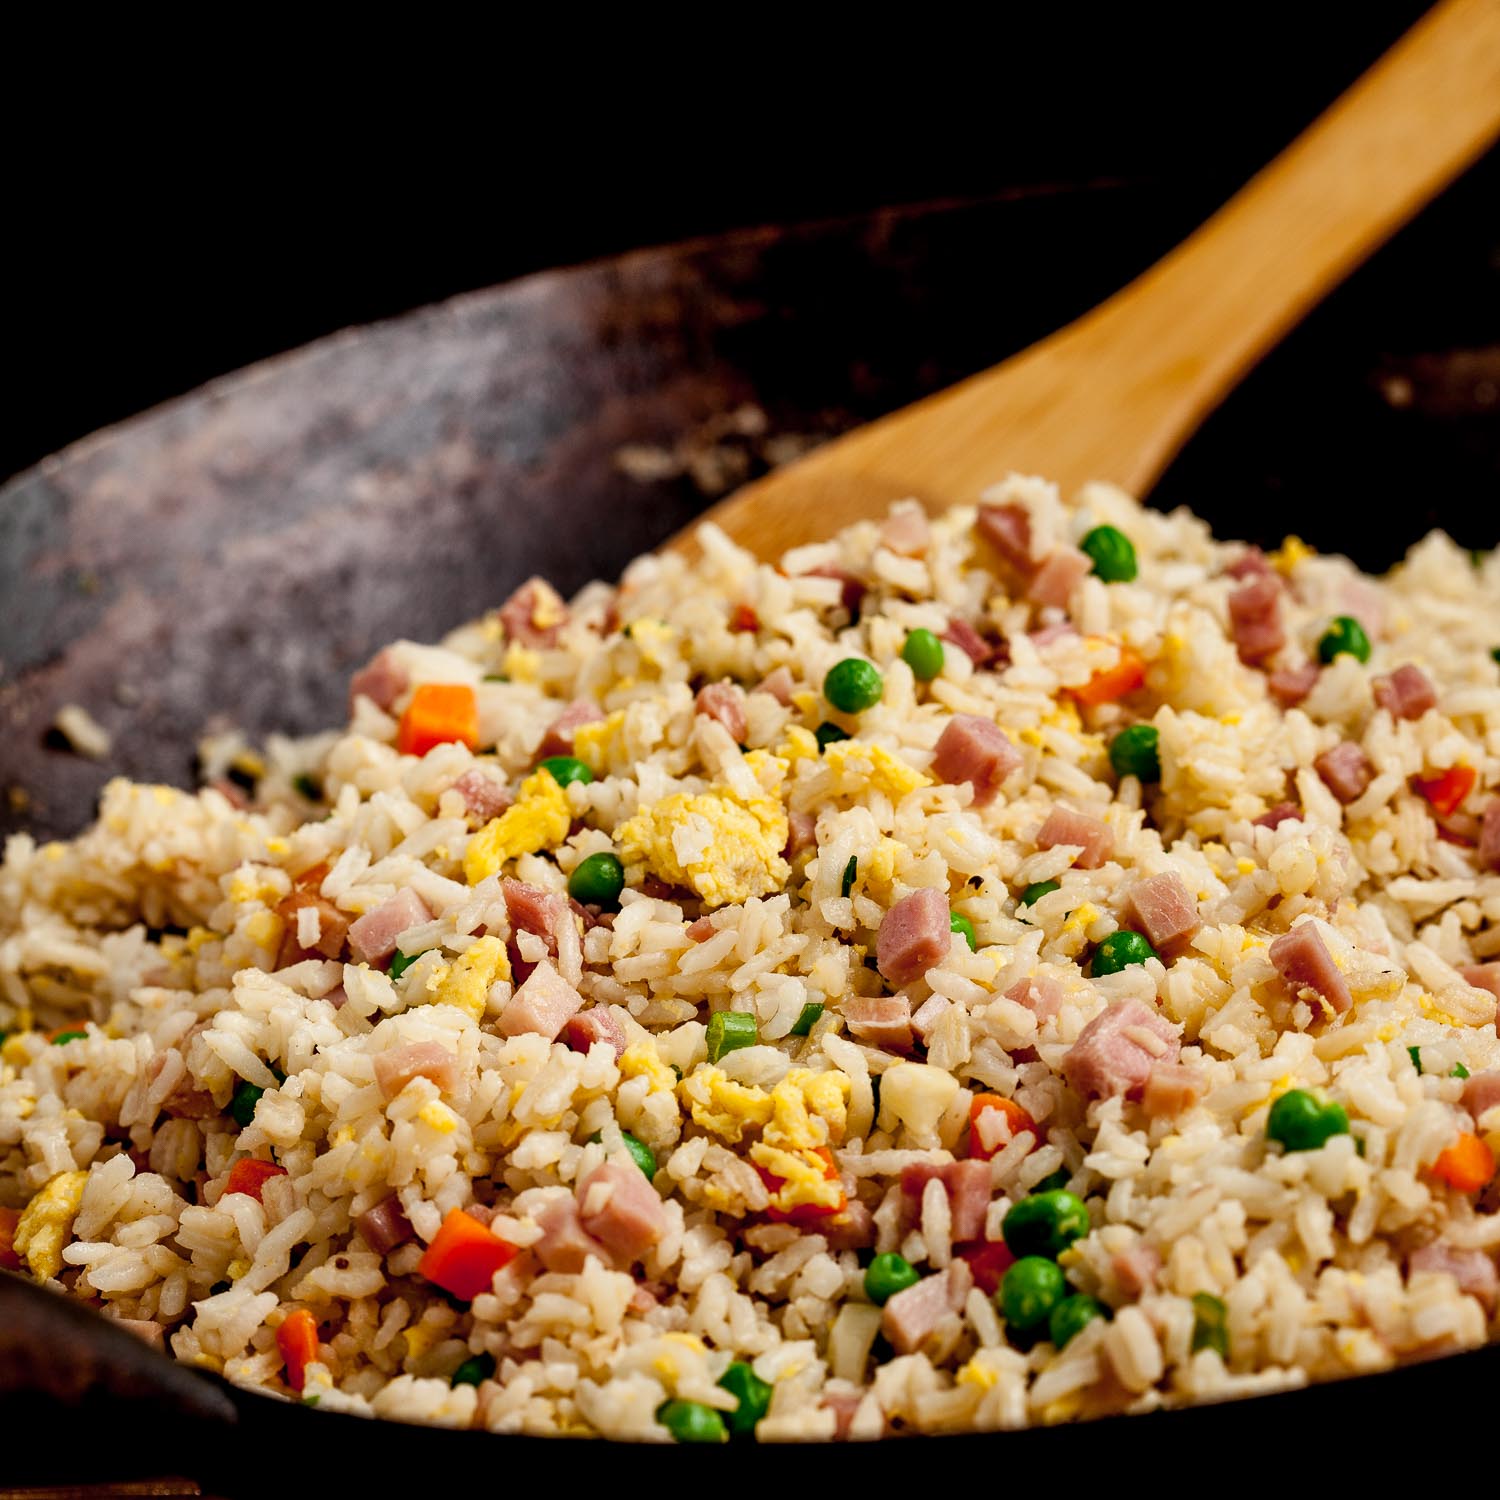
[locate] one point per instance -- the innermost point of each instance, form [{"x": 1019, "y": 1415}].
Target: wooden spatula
[{"x": 1114, "y": 395}]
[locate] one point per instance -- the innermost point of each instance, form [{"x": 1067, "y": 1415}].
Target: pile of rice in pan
[{"x": 980, "y": 972}]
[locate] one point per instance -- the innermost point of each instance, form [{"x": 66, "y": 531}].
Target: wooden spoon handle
[{"x": 1114, "y": 395}]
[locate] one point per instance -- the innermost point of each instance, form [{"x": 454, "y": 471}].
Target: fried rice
[{"x": 321, "y": 1079}]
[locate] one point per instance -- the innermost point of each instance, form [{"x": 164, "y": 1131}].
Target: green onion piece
[
  {"x": 1210, "y": 1324},
  {"x": 400, "y": 963},
  {"x": 808, "y": 1018},
  {"x": 828, "y": 734},
  {"x": 472, "y": 1371},
  {"x": 1459, "y": 1071},
  {"x": 64, "y": 1037},
  {"x": 305, "y": 786},
  {"x": 850, "y": 871},
  {"x": 957, "y": 922},
  {"x": 728, "y": 1031},
  {"x": 1415, "y": 1053}
]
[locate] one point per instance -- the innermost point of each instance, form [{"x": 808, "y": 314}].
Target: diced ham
[
  {"x": 380, "y": 680},
  {"x": 1483, "y": 977},
  {"x": 618, "y": 1205},
  {"x": 533, "y": 910},
  {"x": 1290, "y": 685},
  {"x": 185, "y": 1101},
  {"x": 1170, "y": 1089},
  {"x": 1092, "y": 838},
  {"x": 396, "y": 1068},
  {"x": 928, "y": 1014},
  {"x": 977, "y": 751},
  {"x": 914, "y": 935},
  {"x": 843, "y": 1405},
  {"x": 853, "y": 1229},
  {"x": 906, "y": 530},
  {"x": 1049, "y": 635},
  {"x": 534, "y": 615},
  {"x": 1363, "y": 601},
  {"x": 881, "y": 1020},
  {"x": 726, "y": 703},
  {"x": 1117, "y": 1050},
  {"x": 1489, "y": 836},
  {"x": 235, "y": 796},
  {"x": 1165, "y": 909},
  {"x": 1060, "y": 573},
  {"x": 701, "y": 929},
  {"x": 385, "y": 1226},
  {"x": 1041, "y": 996},
  {"x": 565, "y": 1244},
  {"x": 1346, "y": 770},
  {"x": 853, "y": 591},
  {"x": 968, "y": 640},
  {"x": 333, "y": 924},
  {"x": 778, "y": 683},
  {"x": 146, "y": 1330},
  {"x": 967, "y": 1184},
  {"x": 801, "y": 833},
  {"x": 1135, "y": 1268},
  {"x": 1406, "y": 693},
  {"x": 1482, "y": 1091},
  {"x": 1274, "y": 817},
  {"x": 1302, "y": 959},
  {"x": 1007, "y": 528},
  {"x": 1255, "y": 619},
  {"x": 558, "y": 740},
  {"x": 910, "y": 1317},
  {"x": 542, "y": 1004},
  {"x": 1251, "y": 563},
  {"x": 485, "y": 796},
  {"x": 598, "y": 1024},
  {"x": 1473, "y": 1270},
  {"x": 372, "y": 939}
]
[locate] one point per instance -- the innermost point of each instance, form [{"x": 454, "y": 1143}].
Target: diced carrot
[
  {"x": 805, "y": 1213},
  {"x": 9, "y": 1218},
  {"x": 249, "y": 1176},
  {"x": 297, "y": 1338},
  {"x": 989, "y": 1261},
  {"x": 1114, "y": 682},
  {"x": 464, "y": 1256},
  {"x": 1019, "y": 1121},
  {"x": 1446, "y": 791},
  {"x": 1467, "y": 1165},
  {"x": 743, "y": 617},
  {"x": 439, "y": 714}
]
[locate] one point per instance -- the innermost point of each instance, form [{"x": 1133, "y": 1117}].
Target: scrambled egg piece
[
  {"x": 725, "y": 848},
  {"x": 641, "y": 1060},
  {"x": 521, "y": 664},
  {"x": 599, "y": 745},
  {"x": 858, "y": 768},
  {"x": 263, "y": 928},
  {"x": 723, "y": 1107},
  {"x": 799, "y": 744},
  {"x": 437, "y": 1116},
  {"x": 808, "y": 1109},
  {"x": 48, "y": 1220},
  {"x": 804, "y": 1178},
  {"x": 466, "y": 982},
  {"x": 538, "y": 819},
  {"x": 1292, "y": 551}
]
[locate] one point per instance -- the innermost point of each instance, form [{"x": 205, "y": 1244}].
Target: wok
[{"x": 234, "y": 553}]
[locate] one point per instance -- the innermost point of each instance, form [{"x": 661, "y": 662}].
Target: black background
[{"x": 184, "y": 205}]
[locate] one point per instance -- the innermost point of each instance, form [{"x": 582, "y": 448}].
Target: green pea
[
  {"x": 1415, "y": 1053},
  {"x": 1302, "y": 1121},
  {"x": 1496, "y": 653},
  {"x": 888, "y": 1274},
  {"x": 829, "y": 734},
  {"x": 305, "y": 786},
  {"x": 853, "y": 685},
  {"x": 597, "y": 880},
  {"x": 807, "y": 1018},
  {"x": 566, "y": 769},
  {"x": 640, "y": 1153},
  {"x": 1052, "y": 1181},
  {"x": 923, "y": 653},
  {"x": 1113, "y": 554},
  {"x": 1071, "y": 1316},
  {"x": 1136, "y": 752},
  {"x": 472, "y": 1371},
  {"x": 242, "y": 1103},
  {"x": 1459, "y": 1071},
  {"x": 1119, "y": 950},
  {"x": 1345, "y": 636},
  {"x": 1037, "y": 889},
  {"x": 1045, "y": 1223},
  {"x": 692, "y": 1422},
  {"x": 400, "y": 963},
  {"x": 1210, "y": 1324},
  {"x": 753, "y": 1394},
  {"x": 1029, "y": 1291},
  {"x": 851, "y": 871},
  {"x": 957, "y": 922},
  {"x": 728, "y": 1031},
  {"x": 64, "y": 1037}
]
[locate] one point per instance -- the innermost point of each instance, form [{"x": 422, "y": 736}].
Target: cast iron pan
[{"x": 235, "y": 553}]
